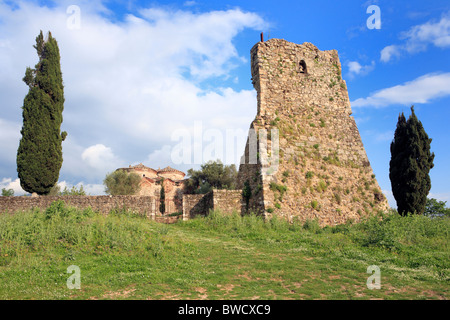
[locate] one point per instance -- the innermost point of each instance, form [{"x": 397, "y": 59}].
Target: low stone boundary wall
[
  {"x": 193, "y": 204},
  {"x": 228, "y": 200},
  {"x": 144, "y": 205},
  {"x": 200, "y": 204},
  {"x": 196, "y": 204}
]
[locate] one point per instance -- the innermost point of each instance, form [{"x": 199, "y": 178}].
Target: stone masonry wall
[
  {"x": 323, "y": 170},
  {"x": 226, "y": 201},
  {"x": 144, "y": 205},
  {"x": 196, "y": 204},
  {"x": 193, "y": 204}
]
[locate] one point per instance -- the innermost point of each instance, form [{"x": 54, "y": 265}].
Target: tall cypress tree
[
  {"x": 39, "y": 156},
  {"x": 411, "y": 162},
  {"x": 162, "y": 198}
]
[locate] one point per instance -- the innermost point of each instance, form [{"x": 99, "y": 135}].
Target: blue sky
[{"x": 144, "y": 77}]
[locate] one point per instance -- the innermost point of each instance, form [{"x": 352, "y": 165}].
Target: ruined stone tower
[{"x": 304, "y": 156}]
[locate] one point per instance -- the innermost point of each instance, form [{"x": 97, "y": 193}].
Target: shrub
[
  {"x": 246, "y": 193},
  {"x": 314, "y": 204},
  {"x": 434, "y": 207},
  {"x": 309, "y": 175},
  {"x": 7, "y": 192},
  {"x": 322, "y": 186},
  {"x": 338, "y": 198},
  {"x": 312, "y": 226},
  {"x": 120, "y": 182},
  {"x": 281, "y": 189}
]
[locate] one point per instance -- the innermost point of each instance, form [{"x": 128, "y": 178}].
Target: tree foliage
[
  {"x": 39, "y": 156},
  {"x": 435, "y": 207},
  {"x": 213, "y": 174},
  {"x": 121, "y": 182},
  {"x": 246, "y": 193},
  {"x": 74, "y": 191},
  {"x": 7, "y": 192},
  {"x": 411, "y": 161}
]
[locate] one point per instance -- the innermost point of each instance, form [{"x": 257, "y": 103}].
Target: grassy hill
[{"x": 125, "y": 256}]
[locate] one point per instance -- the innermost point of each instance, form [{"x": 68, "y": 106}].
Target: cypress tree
[
  {"x": 39, "y": 156},
  {"x": 411, "y": 162},
  {"x": 162, "y": 198}
]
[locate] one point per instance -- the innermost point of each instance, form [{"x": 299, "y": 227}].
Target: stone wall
[
  {"x": 196, "y": 204},
  {"x": 144, "y": 205},
  {"x": 193, "y": 204},
  {"x": 226, "y": 201},
  {"x": 322, "y": 170}
]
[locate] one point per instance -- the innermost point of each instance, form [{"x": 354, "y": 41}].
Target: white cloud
[
  {"x": 418, "y": 38},
  {"x": 420, "y": 90},
  {"x": 93, "y": 189},
  {"x": 8, "y": 183},
  {"x": 389, "y": 52},
  {"x": 9, "y": 140},
  {"x": 160, "y": 158},
  {"x": 378, "y": 136},
  {"x": 360, "y": 120},
  {"x": 436, "y": 33},
  {"x": 384, "y": 136},
  {"x": 355, "y": 68},
  {"x": 189, "y": 3},
  {"x": 100, "y": 157},
  {"x": 89, "y": 189},
  {"x": 441, "y": 196},
  {"x": 128, "y": 84}
]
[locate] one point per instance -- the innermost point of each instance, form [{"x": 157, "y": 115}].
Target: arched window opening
[{"x": 302, "y": 68}]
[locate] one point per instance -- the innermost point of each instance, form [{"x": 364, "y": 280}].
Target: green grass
[{"x": 126, "y": 256}]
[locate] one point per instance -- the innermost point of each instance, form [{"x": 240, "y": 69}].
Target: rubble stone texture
[{"x": 322, "y": 170}]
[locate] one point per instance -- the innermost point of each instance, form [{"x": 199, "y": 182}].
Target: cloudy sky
[{"x": 168, "y": 82}]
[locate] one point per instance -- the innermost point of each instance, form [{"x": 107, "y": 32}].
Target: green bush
[
  {"x": 322, "y": 186},
  {"x": 281, "y": 189},
  {"x": 314, "y": 204},
  {"x": 61, "y": 227},
  {"x": 7, "y": 192},
  {"x": 309, "y": 174},
  {"x": 435, "y": 207},
  {"x": 312, "y": 226},
  {"x": 121, "y": 182}
]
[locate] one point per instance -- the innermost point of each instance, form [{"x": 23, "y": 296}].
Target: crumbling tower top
[
  {"x": 323, "y": 170},
  {"x": 298, "y": 68}
]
